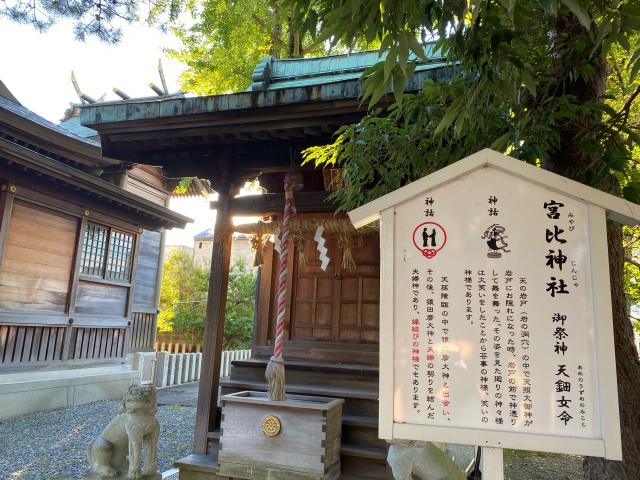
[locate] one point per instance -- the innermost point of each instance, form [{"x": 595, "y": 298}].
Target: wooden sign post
[{"x": 495, "y": 321}]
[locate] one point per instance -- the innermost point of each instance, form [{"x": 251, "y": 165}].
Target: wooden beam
[
  {"x": 273, "y": 203},
  {"x": 75, "y": 276},
  {"x": 264, "y": 303},
  {"x": 207, "y": 413},
  {"x": 6, "y": 207}
]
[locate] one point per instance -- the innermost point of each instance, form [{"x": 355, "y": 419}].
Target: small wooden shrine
[
  {"x": 80, "y": 246},
  {"x": 331, "y": 324}
]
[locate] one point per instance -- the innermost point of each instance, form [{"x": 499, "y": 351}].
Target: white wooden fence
[
  {"x": 229, "y": 356},
  {"x": 178, "y": 368}
]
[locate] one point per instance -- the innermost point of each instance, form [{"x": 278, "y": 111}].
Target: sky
[{"x": 37, "y": 67}]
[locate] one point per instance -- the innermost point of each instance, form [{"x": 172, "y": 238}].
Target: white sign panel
[{"x": 496, "y": 336}]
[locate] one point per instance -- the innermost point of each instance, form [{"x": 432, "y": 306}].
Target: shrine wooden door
[{"x": 339, "y": 304}]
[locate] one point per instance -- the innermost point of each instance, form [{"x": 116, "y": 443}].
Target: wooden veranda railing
[
  {"x": 22, "y": 344},
  {"x": 61, "y": 338},
  {"x": 142, "y": 332}
]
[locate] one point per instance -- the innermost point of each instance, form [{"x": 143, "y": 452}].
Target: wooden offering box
[{"x": 295, "y": 439}]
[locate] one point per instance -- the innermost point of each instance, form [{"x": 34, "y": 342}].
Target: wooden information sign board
[{"x": 495, "y": 322}]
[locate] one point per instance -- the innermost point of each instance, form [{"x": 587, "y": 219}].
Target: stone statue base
[{"x": 92, "y": 476}]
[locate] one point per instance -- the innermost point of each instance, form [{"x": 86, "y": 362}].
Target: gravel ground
[
  {"x": 520, "y": 465},
  {"x": 52, "y": 445}
]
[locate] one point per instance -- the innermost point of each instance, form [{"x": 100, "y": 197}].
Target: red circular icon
[{"x": 431, "y": 242}]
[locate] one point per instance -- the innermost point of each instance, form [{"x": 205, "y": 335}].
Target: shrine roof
[
  {"x": 276, "y": 82},
  {"x": 21, "y": 111},
  {"x": 73, "y": 125},
  {"x": 302, "y": 102},
  {"x": 273, "y": 74},
  {"x": 617, "y": 208}
]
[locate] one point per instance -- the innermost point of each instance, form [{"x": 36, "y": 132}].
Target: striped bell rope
[{"x": 275, "y": 368}]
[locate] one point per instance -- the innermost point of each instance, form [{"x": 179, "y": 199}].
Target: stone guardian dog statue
[
  {"x": 118, "y": 451},
  {"x": 427, "y": 461}
]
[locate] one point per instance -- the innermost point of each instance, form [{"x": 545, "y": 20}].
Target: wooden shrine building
[
  {"x": 331, "y": 332},
  {"x": 80, "y": 243}
]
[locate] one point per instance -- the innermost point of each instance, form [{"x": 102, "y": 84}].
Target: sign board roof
[
  {"x": 497, "y": 327},
  {"x": 617, "y": 208}
]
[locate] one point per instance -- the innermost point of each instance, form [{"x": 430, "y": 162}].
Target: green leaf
[
  {"x": 529, "y": 82},
  {"x": 390, "y": 62},
  {"x": 417, "y": 48},
  {"x": 450, "y": 116},
  {"x": 634, "y": 63},
  {"x": 630, "y": 192},
  {"x": 398, "y": 86},
  {"x": 403, "y": 51},
  {"x": 500, "y": 143},
  {"x": 510, "y": 6},
  {"x": 579, "y": 12}
]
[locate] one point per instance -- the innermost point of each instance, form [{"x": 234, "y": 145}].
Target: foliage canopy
[
  {"x": 183, "y": 300},
  {"x": 225, "y": 40},
  {"x": 532, "y": 78}
]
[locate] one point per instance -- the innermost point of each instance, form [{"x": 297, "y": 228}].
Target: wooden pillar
[
  {"x": 206, "y": 414},
  {"x": 6, "y": 207},
  {"x": 156, "y": 297}
]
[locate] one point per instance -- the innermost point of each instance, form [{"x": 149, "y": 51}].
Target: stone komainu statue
[
  {"x": 427, "y": 461},
  {"x": 118, "y": 450}
]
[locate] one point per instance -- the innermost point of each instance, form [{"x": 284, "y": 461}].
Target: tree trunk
[
  {"x": 568, "y": 161},
  {"x": 628, "y": 372}
]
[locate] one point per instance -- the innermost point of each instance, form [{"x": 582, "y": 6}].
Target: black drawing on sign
[
  {"x": 496, "y": 240},
  {"x": 428, "y": 239}
]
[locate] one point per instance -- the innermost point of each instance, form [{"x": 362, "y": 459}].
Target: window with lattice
[{"x": 107, "y": 253}]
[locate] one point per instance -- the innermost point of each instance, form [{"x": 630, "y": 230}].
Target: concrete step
[{"x": 358, "y": 463}]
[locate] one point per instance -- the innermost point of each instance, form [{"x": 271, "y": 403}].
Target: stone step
[
  {"x": 358, "y": 463},
  {"x": 361, "y": 464},
  {"x": 360, "y": 451},
  {"x": 358, "y": 433}
]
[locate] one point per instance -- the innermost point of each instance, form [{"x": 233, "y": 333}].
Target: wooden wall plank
[
  {"x": 25, "y": 252},
  {"x": 101, "y": 299},
  {"x": 10, "y": 345},
  {"x": 35, "y": 344},
  {"x": 109, "y": 346},
  {"x": 91, "y": 345},
  {"x": 77, "y": 345},
  {"x": 6, "y": 208},
  {"x": 10, "y": 279},
  {"x": 264, "y": 298},
  {"x": 122, "y": 333},
  {"x": 103, "y": 342},
  {"x": 4, "y": 334},
  {"x": 37, "y": 260},
  {"x": 17, "y": 355},
  {"x": 144, "y": 283},
  {"x": 43, "y": 216},
  {"x": 44, "y": 342},
  {"x": 34, "y": 270},
  {"x": 60, "y": 338}
]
